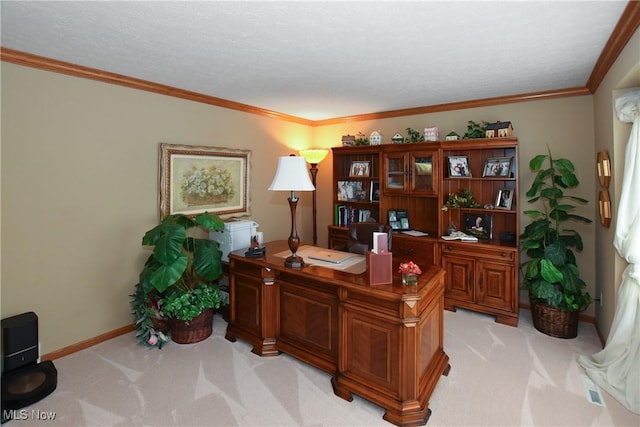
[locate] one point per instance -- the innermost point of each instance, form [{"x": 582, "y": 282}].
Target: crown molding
[
  {"x": 626, "y": 27},
  {"x": 624, "y": 30},
  {"x": 53, "y": 65}
]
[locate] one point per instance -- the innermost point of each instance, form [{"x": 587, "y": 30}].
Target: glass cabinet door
[
  {"x": 423, "y": 172},
  {"x": 395, "y": 172}
]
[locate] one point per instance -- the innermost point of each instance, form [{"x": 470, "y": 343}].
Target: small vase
[{"x": 409, "y": 279}]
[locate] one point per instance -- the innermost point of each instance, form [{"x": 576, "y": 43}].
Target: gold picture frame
[{"x": 194, "y": 179}]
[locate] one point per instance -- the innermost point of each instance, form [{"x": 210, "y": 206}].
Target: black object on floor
[{"x": 24, "y": 380}]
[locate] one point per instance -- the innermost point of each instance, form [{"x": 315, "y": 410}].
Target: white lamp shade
[{"x": 291, "y": 175}]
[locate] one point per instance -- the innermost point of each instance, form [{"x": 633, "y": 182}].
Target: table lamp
[
  {"x": 313, "y": 156},
  {"x": 292, "y": 175}
]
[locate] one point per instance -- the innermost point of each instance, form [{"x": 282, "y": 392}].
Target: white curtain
[{"x": 616, "y": 368}]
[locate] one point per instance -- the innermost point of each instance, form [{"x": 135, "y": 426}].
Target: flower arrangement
[
  {"x": 409, "y": 268},
  {"x": 410, "y": 272},
  {"x": 208, "y": 186}
]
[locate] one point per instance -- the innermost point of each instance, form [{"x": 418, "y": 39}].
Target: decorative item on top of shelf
[
  {"x": 551, "y": 274},
  {"x": 475, "y": 130},
  {"x": 348, "y": 140},
  {"x": 359, "y": 169},
  {"x": 452, "y": 136},
  {"x": 504, "y": 199},
  {"x": 479, "y": 225},
  {"x": 361, "y": 139},
  {"x": 414, "y": 136},
  {"x": 462, "y": 199},
  {"x": 375, "y": 138},
  {"x": 497, "y": 166},
  {"x": 459, "y": 167},
  {"x": 397, "y": 138},
  {"x": 603, "y": 166},
  {"x": 431, "y": 134},
  {"x": 498, "y": 130},
  {"x": 410, "y": 272}
]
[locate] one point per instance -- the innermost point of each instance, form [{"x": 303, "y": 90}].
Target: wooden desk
[{"x": 384, "y": 343}]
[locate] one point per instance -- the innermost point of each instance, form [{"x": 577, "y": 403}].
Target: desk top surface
[{"x": 274, "y": 259}]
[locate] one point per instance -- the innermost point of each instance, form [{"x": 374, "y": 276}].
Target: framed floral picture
[{"x": 195, "y": 179}]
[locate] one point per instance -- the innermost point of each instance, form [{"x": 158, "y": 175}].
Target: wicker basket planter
[
  {"x": 198, "y": 329},
  {"x": 553, "y": 322}
]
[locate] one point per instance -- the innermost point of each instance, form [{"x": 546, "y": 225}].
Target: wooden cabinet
[
  {"x": 409, "y": 171},
  {"x": 419, "y": 178},
  {"x": 421, "y": 250},
  {"x": 482, "y": 280},
  {"x": 482, "y": 276}
]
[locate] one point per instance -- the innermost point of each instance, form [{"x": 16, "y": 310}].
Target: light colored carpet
[{"x": 500, "y": 376}]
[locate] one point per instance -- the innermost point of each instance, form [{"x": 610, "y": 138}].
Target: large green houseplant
[
  {"x": 550, "y": 273},
  {"x": 180, "y": 276}
]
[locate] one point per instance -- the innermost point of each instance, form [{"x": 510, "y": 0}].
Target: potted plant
[
  {"x": 551, "y": 274},
  {"x": 183, "y": 271}
]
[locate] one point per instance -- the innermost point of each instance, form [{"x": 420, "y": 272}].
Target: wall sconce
[
  {"x": 603, "y": 166},
  {"x": 314, "y": 156},
  {"x": 604, "y": 208},
  {"x": 292, "y": 175}
]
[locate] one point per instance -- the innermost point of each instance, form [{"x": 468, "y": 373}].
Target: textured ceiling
[{"x": 320, "y": 60}]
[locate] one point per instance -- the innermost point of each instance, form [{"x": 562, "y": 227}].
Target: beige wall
[
  {"x": 79, "y": 183},
  {"x": 612, "y": 135},
  {"x": 79, "y": 189}
]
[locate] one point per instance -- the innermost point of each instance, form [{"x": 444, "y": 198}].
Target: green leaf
[
  {"x": 555, "y": 253},
  {"x": 167, "y": 275},
  {"x": 537, "y": 161},
  {"x": 169, "y": 244},
  {"x": 206, "y": 259},
  {"x": 209, "y": 221},
  {"x": 549, "y": 272}
]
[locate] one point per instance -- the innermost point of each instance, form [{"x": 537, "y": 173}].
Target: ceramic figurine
[{"x": 375, "y": 138}]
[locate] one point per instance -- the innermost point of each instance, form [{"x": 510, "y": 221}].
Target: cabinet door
[
  {"x": 495, "y": 284},
  {"x": 395, "y": 173},
  {"x": 458, "y": 280},
  {"x": 422, "y": 172}
]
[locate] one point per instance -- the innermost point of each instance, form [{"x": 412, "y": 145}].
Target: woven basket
[
  {"x": 198, "y": 329},
  {"x": 553, "y": 322}
]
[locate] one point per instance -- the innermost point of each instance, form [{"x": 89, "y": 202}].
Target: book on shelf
[{"x": 459, "y": 235}]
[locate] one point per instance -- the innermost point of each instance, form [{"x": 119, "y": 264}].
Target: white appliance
[{"x": 237, "y": 234}]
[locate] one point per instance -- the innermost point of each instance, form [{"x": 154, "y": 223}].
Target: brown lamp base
[{"x": 294, "y": 261}]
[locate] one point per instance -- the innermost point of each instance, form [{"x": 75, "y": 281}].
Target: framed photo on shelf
[
  {"x": 374, "y": 193},
  {"x": 398, "y": 219},
  {"x": 479, "y": 225},
  {"x": 349, "y": 190},
  {"x": 504, "y": 199},
  {"x": 359, "y": 169},
  {"x": 459, "y": 167},
  {"x": 497, "y": 166}
]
